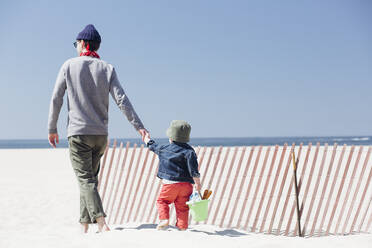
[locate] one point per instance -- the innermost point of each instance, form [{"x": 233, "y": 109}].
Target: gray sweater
[{"x": 88, "y": 82}]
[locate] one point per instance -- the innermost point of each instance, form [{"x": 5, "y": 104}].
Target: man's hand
[
  {"x": 143, "y": 133},
  {"x": 53, "y": 138}
]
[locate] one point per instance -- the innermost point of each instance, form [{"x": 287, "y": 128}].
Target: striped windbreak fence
[{"x": 253, "y": 187}]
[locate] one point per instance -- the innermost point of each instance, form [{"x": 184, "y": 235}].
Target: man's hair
[{"x": 93, "y": 44}]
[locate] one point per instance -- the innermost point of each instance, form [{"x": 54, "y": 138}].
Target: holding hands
[
  {"x": 143, "y": 132},
  {"x": 146, "y": 138}
]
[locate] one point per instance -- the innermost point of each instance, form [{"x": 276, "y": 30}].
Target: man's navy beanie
[{"x": 89, "y": 33}]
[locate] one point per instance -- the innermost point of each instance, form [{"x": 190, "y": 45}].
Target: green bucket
[{"x": 199, "y": 210}]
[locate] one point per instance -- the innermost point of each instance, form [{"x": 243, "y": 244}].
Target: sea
[{"x": 247, "y": 141}]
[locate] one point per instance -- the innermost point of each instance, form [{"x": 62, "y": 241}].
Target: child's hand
[
  {"x": 197, "y": 186},
  {"x": 147, "y": 138},
  {"x": 143, "y": 133}
]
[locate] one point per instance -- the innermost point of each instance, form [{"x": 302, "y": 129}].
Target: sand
[{"x": 40, "y": 208}]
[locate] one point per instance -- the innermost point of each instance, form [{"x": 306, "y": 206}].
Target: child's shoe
[{"x": 163, "y": 224}]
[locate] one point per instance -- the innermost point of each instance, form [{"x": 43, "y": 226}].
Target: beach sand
[{"x": 40, "y": 208}]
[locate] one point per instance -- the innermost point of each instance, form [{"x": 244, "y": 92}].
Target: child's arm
[
  {"x": 192, "y": 164},
  {"x": 151, "y": 144},
  {"x": 197, "y": 183}
]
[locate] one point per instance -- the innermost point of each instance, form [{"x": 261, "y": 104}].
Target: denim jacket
[{"x": 177, "y": 161}]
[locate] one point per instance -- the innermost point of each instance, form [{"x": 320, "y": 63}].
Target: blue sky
[{"x": 230, "y": 68}]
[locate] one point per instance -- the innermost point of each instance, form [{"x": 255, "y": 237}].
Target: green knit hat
[{"x": 179, "y": 131}]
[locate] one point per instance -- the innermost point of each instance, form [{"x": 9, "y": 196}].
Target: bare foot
[
  {"x": 102, "y": 226},
  {"x": 85, "y": 227}
]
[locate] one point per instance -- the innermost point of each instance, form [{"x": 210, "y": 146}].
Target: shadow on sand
[{"x": 227, "y": 232}]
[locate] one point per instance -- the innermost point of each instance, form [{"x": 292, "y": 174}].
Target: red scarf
[{"x": 89, "y": 53}]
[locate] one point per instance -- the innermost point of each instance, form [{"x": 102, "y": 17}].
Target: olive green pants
[{"x": 85, "y": 154}]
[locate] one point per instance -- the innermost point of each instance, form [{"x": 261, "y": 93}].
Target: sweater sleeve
[
  {"x": 57, "y": 100},
  {"x": 122, "y": 100}
]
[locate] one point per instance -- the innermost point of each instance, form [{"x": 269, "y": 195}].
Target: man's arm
[
  {"x": 55, "y": 107},
  {"x": 122, "y": 100}
]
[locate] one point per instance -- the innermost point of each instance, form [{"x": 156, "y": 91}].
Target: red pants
[{"x": 177, "y": 193}]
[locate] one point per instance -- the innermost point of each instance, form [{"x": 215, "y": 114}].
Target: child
[{"x": 178, "y": 169}]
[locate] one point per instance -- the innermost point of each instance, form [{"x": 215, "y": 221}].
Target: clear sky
[{"x": 230, "y": 68}]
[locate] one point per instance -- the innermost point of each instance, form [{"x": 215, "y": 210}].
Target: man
[{"x": 88, "y": 82}]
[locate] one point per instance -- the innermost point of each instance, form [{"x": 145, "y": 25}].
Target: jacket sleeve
[
  {"x": 153, "y": 146},
  {"x": 192, "y": 164},
  {"x": 57, "y": 100},
  {"x": 122, "y": 100}
]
